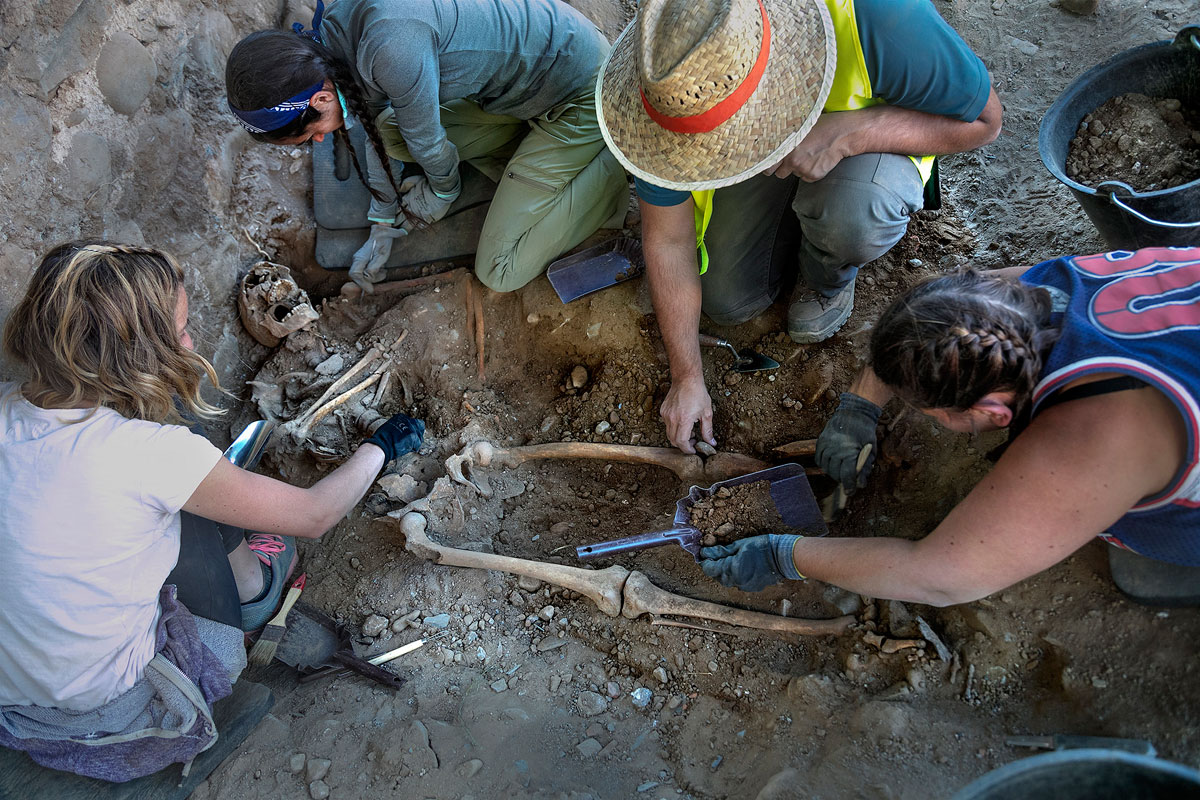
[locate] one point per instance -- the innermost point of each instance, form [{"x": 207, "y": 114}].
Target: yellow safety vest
[{"x": 851, "y": 91}]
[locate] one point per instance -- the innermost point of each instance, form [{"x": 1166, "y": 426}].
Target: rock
[
  {"x": 560, "y": 528},
  {"x": 661, "y": 674},
  {"x": 547, "y": 613},
  {"x": 331, "y": 366},
  {"x": 499, "y": 685},
  {"x": 317, "y": 769},
  {"x": 647, "y": 786},
  {"x": 528, "y": 584},
  {"x": 437, "y": 621},
  {"x": 514, "y": 714},
  {"x": 211, "y": 42},
  {"x": 318, "y": 790},
  {"x": 25, "y": 136},
  {"x": 125, "y": 71},
  {"x": 90, "y": 165},
  {"x": 590, "y": 704},
  {"x": 602, "y": 426},
  {"x": 579, "y": 377},
  {"x": 468, "y": 769},
  {"x": 296, "y": 762},
  {"x": 1080, "y": 7},
  {"x": 1023, "y": 46},
  {"x": 550, "y": 643},
  {"x": 589, "y": 747},
  {"x": 641, "y": 697},
  {"x": 374, "y": 625},
  {"x": 612, "y": 689},
  {"x": 555, "y": 682},
  {"x": 402, "y": 488}
]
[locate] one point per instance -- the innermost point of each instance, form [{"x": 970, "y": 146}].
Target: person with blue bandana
[{"x": 434, "y": 83}]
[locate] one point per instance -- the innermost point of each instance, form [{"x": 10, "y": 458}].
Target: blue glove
[
  {"x": 752, "y": 564},
  {"x": 399, "y": 435},
  {"x": 851, "y": 428}
]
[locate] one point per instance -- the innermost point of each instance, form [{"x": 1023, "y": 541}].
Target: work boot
[
  {"x": 277, "y": 554},
  {"x": 813, "y": 318}
]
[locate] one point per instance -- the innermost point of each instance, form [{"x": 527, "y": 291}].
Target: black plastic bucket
[
  {"x": 1126, "y": 219},
  {"x": 1089, "y": 774}
]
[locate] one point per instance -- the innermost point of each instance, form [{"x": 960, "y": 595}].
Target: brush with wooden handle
[{"x": 264, "y": 649}]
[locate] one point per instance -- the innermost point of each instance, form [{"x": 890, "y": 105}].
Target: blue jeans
[{"x": 765, "y": 229}]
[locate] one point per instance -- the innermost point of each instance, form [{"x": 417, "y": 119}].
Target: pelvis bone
[{"x": 271, "y": 305}]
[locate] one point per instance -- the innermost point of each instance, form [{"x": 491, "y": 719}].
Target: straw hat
[{"x": 690, "y": 98}]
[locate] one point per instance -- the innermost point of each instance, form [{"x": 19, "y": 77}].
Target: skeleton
[
  {"x": 615, "y": 590},
  {"x": 271, "y": 305},
  {"x": 691, "y": 469}
]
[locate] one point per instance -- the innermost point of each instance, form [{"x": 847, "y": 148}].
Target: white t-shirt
[{"x": 89, "y": 531}]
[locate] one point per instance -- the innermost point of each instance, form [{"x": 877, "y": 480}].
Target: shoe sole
[{"x": 810, "y": 337}]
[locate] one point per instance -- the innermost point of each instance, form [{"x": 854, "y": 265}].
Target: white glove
[
  {"x": 421, "y": 201},
  {"x": 371, "y": 259}
]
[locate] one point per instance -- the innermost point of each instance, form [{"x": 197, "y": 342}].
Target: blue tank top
[{"x": 1138, "y": 314}]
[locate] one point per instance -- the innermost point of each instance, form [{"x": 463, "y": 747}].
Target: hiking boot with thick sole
[{"x": 812, "y": 317}]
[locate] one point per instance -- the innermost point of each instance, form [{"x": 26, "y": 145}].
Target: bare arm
[
  {"x": 234, "y": 496},
  {"x": 669, "y": 243},
  {"x": 886, "y": 129},
  {"x": 1057, "y": 486}
]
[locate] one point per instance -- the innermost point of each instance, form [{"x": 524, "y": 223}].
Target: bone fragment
[
  {"x": 352, "y": 291},
  {"x": 896, "y": 645},
  {"x": 341, "y": 382},
  {"x": 798, "y": 448},
  {"x": 602, "y": 587},
  {"x": 690, "y": 469},
  {"x": 711, "y": 627},
  {"x": 643, "y": 597},
  {"x": 303, "y": 430}
]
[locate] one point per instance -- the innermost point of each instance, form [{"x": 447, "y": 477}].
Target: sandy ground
[{"x": 528, "y": 692}]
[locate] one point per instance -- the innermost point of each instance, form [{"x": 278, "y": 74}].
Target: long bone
[
  {"x": 643, "y": 597},
  {"x": 615, "y": 590},
  {"x": 602, "y": 587},
  {"x": 690, "y": 469}
]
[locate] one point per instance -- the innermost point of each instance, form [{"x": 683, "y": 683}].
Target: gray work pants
[{"x": 763, "y": 229}]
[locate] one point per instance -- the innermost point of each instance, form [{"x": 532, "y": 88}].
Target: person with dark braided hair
[
  {"x": 1090, "y": 360},
  {"x": 434, "y": 82}
]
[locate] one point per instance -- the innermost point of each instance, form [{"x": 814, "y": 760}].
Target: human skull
[{"x": 271, "y": 305}]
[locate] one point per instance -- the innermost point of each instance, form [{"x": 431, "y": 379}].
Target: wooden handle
[
  {"x": 711, "y": 341},
  {"x": 292, "y": 596}
]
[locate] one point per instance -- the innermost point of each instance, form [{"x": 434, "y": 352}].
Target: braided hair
[
  {"x": 268, "y": 67},
  {"x": 955, "y": 338}
]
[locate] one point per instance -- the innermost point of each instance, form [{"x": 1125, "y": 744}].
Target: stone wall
[{"x": 113, "y": 124}]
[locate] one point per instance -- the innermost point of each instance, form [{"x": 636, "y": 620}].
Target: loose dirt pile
[
  {"x": 737, "y": 512},
  {"x": 1148, "y": 143}
]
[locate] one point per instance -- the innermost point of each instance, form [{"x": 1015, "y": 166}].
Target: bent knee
[
  {"x": 498, "y": 270},
  {"x": 727, "y": 315}
]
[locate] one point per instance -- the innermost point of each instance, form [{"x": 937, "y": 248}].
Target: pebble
[
  {"x": 549, "y": 643},
  {"x": 555, "y": 682},
  {"x": 318, "y": 790},
  {"x": 499, "y": 685},
  {"x": 589, "y": 747},
  {"x": 647, "y": 786},
  {"x": 661, "y": 674},
  {"x": 331, "y": 365},
  {"x": 437, "y": 621},
  {"x": 355, "y": 563},
  {"x": 602, "y": 426},
  {"x": 579, "y": 376},
  {"x": 529, "y": 584},
  {"x": 547, "y": 613},
  {"x": 641, "y": 698},
  {"x": 374, "y": 625},
  {"x": 481, "y": 654},
  {"x": 468, "y": 769},
  {"x": 318, "y": 768},
  {"x": 296, "y": 762},
  {"x": 591, "y": 704},
  {"x": 612, "y": 689}
]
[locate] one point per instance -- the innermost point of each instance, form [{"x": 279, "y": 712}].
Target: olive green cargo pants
[{"x": 556, "y": 186}]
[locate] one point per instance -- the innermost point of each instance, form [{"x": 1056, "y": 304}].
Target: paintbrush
[{"x": 268, "y": 642}]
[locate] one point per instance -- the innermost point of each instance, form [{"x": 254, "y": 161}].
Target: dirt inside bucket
[
  {"x": 1149, "y": 143},
  {"x": 737, "y": 512}
]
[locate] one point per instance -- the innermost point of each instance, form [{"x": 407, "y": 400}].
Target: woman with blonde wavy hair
[{"x": 129, "y": 580}]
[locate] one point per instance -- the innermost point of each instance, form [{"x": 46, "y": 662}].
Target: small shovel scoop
[
  {"x": 790, "y": 493},
  {"x": 745, "y": 360}
]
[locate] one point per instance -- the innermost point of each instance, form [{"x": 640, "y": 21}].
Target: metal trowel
[{"x": 745, "y": 360}]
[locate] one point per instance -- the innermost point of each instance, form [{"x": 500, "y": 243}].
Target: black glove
[
  {"x": 752, "y": 564},
  {"x": 399, "y": 435},
  {"x": 851, "y": 428}
]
